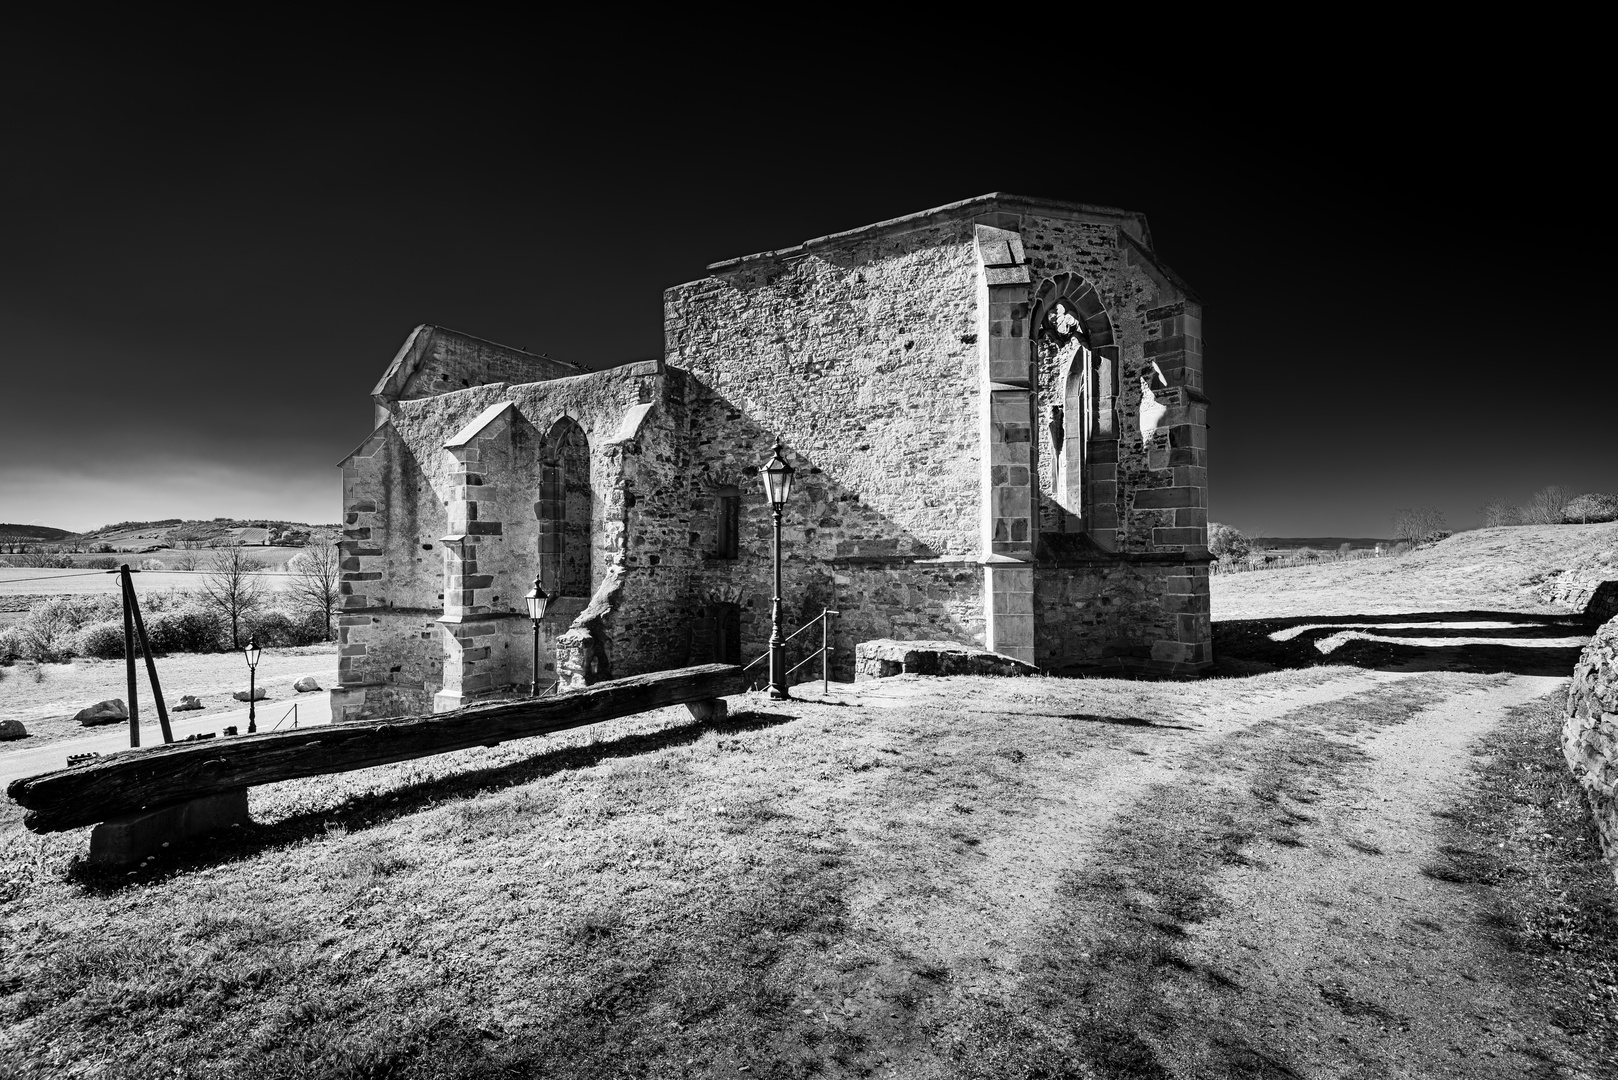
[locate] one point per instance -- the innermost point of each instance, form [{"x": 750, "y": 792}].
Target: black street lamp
[
  {"x": 252, "y": 652},
  {"x": 778, "y": 486},
  {"x": 537, "y": 601}
]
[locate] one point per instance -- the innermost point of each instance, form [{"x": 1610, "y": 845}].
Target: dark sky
[{"x": 206, "y": 265}]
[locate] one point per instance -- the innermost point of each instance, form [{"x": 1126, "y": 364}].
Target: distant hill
[
  {"x": 170, "y": 533},
  {"x": 33, "y": 533},
  {"x": 173, "y": 532}
]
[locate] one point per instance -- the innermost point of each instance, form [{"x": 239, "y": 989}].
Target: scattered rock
[
  {"x": 12, "y": 729},
  {"x": 885, "y": 657},
  {"x": 187, "y": 702},
  {"x": 103, "y": 712},
  {"x": 1590, "y": 733},
  {"x": 306, "y": 684},
  {"x": 259, "y": 694}
]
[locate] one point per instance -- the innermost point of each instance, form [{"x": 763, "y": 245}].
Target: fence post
[{"x": 129, "y": 653}]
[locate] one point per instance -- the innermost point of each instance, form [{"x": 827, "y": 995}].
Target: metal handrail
[
  {"x": 823, "y": 652},
  {"x": 292, "y": 712},
  {"x": 766, "y": 655}
]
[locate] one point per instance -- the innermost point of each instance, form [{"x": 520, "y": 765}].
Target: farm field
[
  {"x": 23, "y": 581},
  {"x": 1354, "y": 864}
]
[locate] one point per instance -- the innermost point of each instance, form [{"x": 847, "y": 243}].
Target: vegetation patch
[{"x": 1525, "y": 836}]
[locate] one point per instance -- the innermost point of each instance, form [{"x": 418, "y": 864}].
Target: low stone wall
[
  {"x": 1590, "y": 733},
  {"x": 1584, "y": 593},
  {"x": 885, "y": 657}
]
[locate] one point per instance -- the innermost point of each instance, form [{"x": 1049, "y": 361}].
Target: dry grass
[
  {"x": 1528, "y": 833},
  {"x": 1483, "y": 570},
  {"x": 658, "y": 899}
]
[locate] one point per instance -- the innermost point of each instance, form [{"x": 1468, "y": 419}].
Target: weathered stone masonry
[{"x": 997, "y": 416}]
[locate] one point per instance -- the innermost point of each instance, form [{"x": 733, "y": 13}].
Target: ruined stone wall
[
  {"x": 403, "y": 492},
  {"x": 390, "y": 658},
  {"x": 443, "y": 361},
  {"x": 838, "y": 550},
  {"x": 1130, "y": 615},
  {"x": 1162, "y": 475},
  {"x": 391, "y": 664},
  {"x": 863, "y": 358}
]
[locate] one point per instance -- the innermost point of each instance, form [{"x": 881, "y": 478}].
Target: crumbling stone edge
[{"x": 1590, "y": 733}]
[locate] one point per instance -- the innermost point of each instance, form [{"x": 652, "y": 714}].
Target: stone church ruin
[{"x": 994, "y": 408}]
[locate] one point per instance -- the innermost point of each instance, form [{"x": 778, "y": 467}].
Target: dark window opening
[{"x": 730, "y": 528}]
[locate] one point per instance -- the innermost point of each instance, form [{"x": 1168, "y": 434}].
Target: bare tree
[
  {"x": 1497, "y": 512},
  {"x": 316, "y": 573},
  {"x": 232, "y": 588},
  {"x": 187, "y": 559},
  {"x": 1548, "y": 506},
  {"x": 1419, "y": 524}
]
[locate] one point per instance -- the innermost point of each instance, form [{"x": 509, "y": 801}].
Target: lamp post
[
  {"x": 252, "y": 652},
  {"x": 537, "y": 600},
  {"x": 778, "y": 486}
]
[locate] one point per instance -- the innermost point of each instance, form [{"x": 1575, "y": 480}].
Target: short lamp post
[
  {"x": 778, "y": 486},
  {"x": 537, "y": 601},
  {"x": 252, "y": 652}
]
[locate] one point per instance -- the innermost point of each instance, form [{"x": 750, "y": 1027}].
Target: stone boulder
[
  {"x": 103, "y": 712},
  {"x": 12, "y": 729},
  {"x": 306, "y": 685},
  {"x": 259, "y": 694},
  {"x": 885, "y": 657},
  {"x": 186, "y": 703},
  {"x": 1590, "y": 733}
]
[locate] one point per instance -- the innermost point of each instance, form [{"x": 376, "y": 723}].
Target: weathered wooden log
[{"x": 157, "y": 776}]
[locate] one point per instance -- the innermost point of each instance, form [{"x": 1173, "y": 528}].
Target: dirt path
[
  {"x": 1351, "y": 960},
  {"x": 1236, "y": 889}
]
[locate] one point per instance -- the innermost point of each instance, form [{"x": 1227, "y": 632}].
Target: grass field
[
  {"x": 1482, "y": 570},
  {"x": 1336, "y": 869}
]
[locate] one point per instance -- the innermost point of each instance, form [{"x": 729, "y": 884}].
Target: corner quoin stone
[{"x": 124, "y": 842}]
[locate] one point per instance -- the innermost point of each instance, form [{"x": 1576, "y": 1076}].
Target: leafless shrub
[
  {"x": 1497, "y": 512},
  {"x": 1547, "y": 506},
  {"x": 1419, "y": 524}
]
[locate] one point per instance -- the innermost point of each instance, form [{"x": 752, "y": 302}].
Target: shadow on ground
[
  {"x": 1478, "y": 641},
  {"x": 378, "y": 808}
]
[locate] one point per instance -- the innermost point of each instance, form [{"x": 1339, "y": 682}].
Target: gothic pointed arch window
[
  {"x": 1077, "y": 370},
  {"x": 565, "y": 509}
]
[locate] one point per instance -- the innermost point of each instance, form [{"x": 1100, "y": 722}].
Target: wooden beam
[{"x": 146, "y": 779}]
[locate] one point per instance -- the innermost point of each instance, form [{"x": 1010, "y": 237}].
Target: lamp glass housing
[
  {"x": 252, "y": 652},
  {"x": 537, "y": 601},
  {"x": 778, "y": 478}
]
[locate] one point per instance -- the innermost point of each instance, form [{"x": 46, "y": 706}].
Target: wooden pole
[
  {"x": 135, "y": 780},
  {"x": 151, "y": 665},
  {"x": 129, "y": 654}
]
